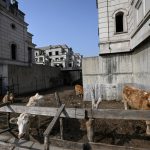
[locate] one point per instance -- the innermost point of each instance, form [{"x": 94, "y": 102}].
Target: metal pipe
[{"x": 108, "y": 26}]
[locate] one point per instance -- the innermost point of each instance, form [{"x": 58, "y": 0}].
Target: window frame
[
  {"x": 119, "y": 18},
  {"x": 125, "y": 25}
]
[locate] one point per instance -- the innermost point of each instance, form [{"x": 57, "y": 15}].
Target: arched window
[
  {"x": 119, "y": 22},
  {"x": 13, "y": 51}
]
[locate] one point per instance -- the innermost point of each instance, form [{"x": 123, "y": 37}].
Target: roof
[{"x": 53, "y": 47}]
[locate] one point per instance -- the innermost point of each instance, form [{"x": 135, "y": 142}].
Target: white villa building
[{"x": 58, "y": 56}]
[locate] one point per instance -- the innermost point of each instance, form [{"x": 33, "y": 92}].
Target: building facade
[
  {"x": 15, "y": 41},
  {"x": 16, "y": 46},
  {"x": 124, "y": 35},
  {"x": 122, "y": 24},
  {"x": 58, "y": 56}
]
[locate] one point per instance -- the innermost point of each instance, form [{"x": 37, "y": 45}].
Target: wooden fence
[{"x": 80, "y": 113}]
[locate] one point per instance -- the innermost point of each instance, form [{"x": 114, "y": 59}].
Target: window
[
  {"x": 40, "y": 59},
  {"x": 13, "y": 51},
  {"x": 13, "y": 26},
  {"x": 119, "y": 22},
  {"x": 61, "y": 58},
  {"x": 50, "y": 53},
  {"x": 56, "y": 59},
  {"x": 61, "y": 66},
  {"x": 70, "y": 65},
  {"x": 29, "y": 54},
  {"x": 56, "y": 52}
]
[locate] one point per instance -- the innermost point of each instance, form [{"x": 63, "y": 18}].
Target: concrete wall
[
  {"x": 30, "y": 79},
  {"x": 108, "y": 73}
]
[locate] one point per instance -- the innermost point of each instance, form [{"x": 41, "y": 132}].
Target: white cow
[{"x": 24, "y": 119}]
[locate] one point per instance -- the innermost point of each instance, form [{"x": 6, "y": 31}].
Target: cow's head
[{"x": 23, "y": 125}]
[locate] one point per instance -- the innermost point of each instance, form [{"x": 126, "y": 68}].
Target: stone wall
[
  {"x": 32, "y": 79},
  {"x": 108, "y": 73}
]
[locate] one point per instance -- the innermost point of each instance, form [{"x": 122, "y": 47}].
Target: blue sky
[{"x": 71, "y": 22}]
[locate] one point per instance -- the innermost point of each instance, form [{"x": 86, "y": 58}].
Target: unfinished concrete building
[
  {"x": 60, "y": 56},
  {"x": 124, "y": 35}
]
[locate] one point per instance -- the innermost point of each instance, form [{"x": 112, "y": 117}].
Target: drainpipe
[{"x": 108, "y": 27}]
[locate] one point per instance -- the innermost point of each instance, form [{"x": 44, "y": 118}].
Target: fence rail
[{"x": 80, "y": 113}]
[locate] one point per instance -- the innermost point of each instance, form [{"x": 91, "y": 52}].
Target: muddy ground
[{"x": 117, "y": 132}]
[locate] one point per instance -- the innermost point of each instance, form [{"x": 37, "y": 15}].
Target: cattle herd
[{"x": 132, "y": 97}]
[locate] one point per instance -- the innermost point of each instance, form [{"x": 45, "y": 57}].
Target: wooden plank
[
  {"x": 90, "y": 146},
  {"x": 103, "y": 146},
  {"x": 4, "y": 104},
  {"x": 59, "y": 103},
  {"x": 119, "y": 114},
  {"x": 79, "y": 113},
  {"x": 51, "y": 125},
  {"x": 57, "y": 99},
  {"x": 44, "y": 111}
]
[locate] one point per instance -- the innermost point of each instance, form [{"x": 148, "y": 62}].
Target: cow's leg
[
  {"x": 148, "y": 127},
  {"x": 98, "y": 102},
  {"x": 125, "y": 105}
]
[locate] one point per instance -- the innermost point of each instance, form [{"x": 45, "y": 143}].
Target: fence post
[
  {"x": 60, "y": 119},
  {"x": 46, "y": 142},
  {"x": 51, "y": 126},
  {"x": 90, "y": 129},
  {"x": 89, "y": 125}
]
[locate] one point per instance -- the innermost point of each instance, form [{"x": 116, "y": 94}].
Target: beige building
[
  {"x": 122, "y": 24},
  {"x": 15, "y": 41},
  {"x": 16, "y": 47},
  {"x": 124, "y": 42}
]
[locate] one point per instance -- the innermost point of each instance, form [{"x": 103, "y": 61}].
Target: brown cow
[
  {"x": 9, "y": 97},
  {"x": 79, "y": 90},
  {"x": 137, "y": 99}
]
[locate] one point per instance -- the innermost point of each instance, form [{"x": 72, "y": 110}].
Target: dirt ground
[{"x": 117, "y": 132}]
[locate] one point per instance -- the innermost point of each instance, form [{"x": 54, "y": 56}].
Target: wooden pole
[
  {"x": 90, "y": 129},
  {"x": 61, "y": 128},
  {"x": 8, "y": 118},
  {"x": 50, "y": 127},
  {"x": 60, "y": 119},
  {"x": 4, "y": 104},
  {"x": 46, "y": 143}
]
